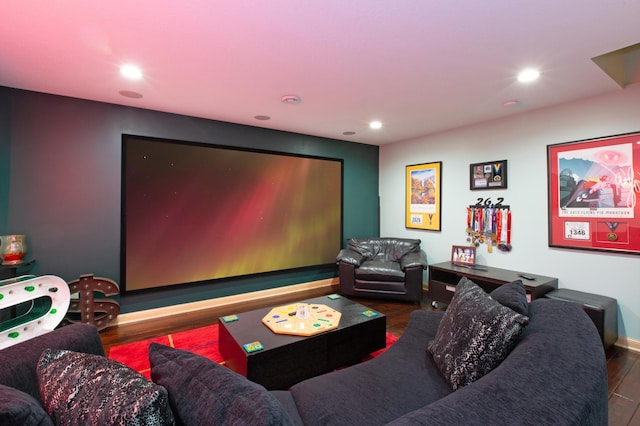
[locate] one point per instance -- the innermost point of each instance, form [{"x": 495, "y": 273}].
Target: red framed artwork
[{"x": 593, "y": 190}]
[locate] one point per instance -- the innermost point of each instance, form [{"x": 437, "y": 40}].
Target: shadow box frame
[
  {"x": 423, "y": 193},
  {"x": 593, "y": 186},
  {"x": 488, "y": 175}
]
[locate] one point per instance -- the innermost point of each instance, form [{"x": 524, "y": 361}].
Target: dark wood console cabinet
[{"x": 443, "y": 278}]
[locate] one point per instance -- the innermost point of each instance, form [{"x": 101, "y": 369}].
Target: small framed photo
[
  {"x": 489, "y": 175},
  {"x": 463, "y": 255}
]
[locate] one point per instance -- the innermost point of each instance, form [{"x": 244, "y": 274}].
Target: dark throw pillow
[
  {"x": 20, "y": 408},
  {"x": 202, "y": 391},
  {"x": 83, "y": 389},
  {"x": 475, "y": 334},
  {"x": 512, "y": 295}
]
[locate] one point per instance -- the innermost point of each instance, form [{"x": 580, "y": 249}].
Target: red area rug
[{"x": 202, "y": 341}]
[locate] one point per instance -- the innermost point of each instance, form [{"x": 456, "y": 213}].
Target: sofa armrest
[
  {"x": 349, "y": 256},
  {"x": 23, "y": 357},
  {"x": 556, "y": 374},
  {"x": 415, "y": 259}
]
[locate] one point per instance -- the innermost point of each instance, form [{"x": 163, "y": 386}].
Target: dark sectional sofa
[{"x": 554, "y": 375}]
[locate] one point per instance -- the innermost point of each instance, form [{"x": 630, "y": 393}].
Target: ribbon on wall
[{"x": 490, "y": 225}]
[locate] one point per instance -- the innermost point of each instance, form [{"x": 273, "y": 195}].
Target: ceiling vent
[{"x": 291, "y": 99}]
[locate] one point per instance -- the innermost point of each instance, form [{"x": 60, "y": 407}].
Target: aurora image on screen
[{"x": 198, "y": 212}]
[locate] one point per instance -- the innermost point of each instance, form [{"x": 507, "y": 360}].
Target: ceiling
[{"x": 418, "y": 66}]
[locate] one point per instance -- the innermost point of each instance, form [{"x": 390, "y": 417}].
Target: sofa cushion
[
  {"x": 349, "y": 256},
  {"x": 23, "y": 357},
  {"x": 379, "y": 270},
  {"x": 512, "y": 295},
  {"x": 475, "y": 335},
  {"x": 387, "y": 287},
  {"x": 19, "y": 408},
  {"x": 81, "y": 389},
  {"x": 204, "y": 392},
  {"x": 384, "y": 248}
]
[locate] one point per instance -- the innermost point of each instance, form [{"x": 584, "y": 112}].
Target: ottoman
[{"x": 602, "y": 310}]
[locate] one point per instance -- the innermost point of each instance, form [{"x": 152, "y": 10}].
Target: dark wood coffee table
[{"x": 286, "y": 359}]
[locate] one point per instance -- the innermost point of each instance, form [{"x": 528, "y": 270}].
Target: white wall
[{"x": 521, "y": 139}]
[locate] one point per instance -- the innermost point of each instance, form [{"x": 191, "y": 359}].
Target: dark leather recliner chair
[{"x": 389, "y": 268}]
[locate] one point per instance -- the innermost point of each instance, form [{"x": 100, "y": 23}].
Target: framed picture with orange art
[{"x": 423, "y": 186}]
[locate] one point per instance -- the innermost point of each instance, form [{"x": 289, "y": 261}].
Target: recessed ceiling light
[
  {"x": 131, "y": 71},
  {"x": 262, "y": 117},
  {"x": 528, "y": 75},
  {"x": 375, "y": 124}
]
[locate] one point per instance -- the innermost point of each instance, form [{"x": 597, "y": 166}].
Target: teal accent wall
[
  {"x": 5, "y": 156},
  {"x": 65, "y": 180}
]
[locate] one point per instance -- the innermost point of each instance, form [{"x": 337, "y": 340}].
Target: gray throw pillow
[
  {"x": 20, "y": 408},
  {"x": 83, "y": 389},
  {"x": 475, "y": 334},
  {"x": 202, "y": 391},
  {"x": 512, "y": 295}
]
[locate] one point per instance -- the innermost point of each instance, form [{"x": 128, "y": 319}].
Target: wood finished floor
[{"x": 623, "y": 366}]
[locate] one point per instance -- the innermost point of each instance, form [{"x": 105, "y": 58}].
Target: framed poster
[
  {"x": 488, "y": 175},
  {"x": 423, "y": 185},
  {"x": 593, "y": 187}
]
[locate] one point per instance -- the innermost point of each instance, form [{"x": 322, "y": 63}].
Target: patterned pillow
[
  {"x": 20, "y": 408},
  {"x": 512, "y": 295},
  {"x": 82, "y": 389},
  {"x": 202, "y": 391},
  {"x": 475, "y": 334}
]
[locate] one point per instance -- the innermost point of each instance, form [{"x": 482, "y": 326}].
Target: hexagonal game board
[{"x": 302, "y": 319}]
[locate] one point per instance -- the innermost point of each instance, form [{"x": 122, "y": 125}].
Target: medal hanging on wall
[
  {"x": 504, "y": 230},
  {"x": 491, "y": 228},
  {"x": 489, "y": 225},
  {"x": 473, "y": 226}
]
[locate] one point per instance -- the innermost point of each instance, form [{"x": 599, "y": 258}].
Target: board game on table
[
  {"x": 278, "y": 360},
  {"x": 302, "y": 319}
]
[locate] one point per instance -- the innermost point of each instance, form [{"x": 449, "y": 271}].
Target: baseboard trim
[
  {"x": 630, "y": 344},
  {"x": 129, "y": 318},
  {"x": 330, "y": 285}
]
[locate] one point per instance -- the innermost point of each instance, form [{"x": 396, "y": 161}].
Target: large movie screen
[{"x": 197, "y": 212}]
